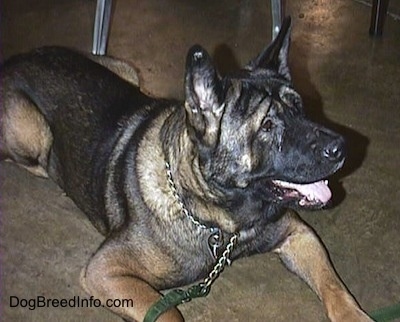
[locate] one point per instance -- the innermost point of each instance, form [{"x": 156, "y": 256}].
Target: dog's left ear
[
  {"x": 275, "y": 56},
  {"x": 203, "y": 102}
]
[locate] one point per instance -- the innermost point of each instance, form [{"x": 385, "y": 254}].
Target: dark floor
[{"x": 348, "y": 80}]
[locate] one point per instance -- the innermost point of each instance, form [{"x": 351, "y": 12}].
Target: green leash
[
  {"x": 388, "y": 313},
  {"x": 174, "y": 298}
]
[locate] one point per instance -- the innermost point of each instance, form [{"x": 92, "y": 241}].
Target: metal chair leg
[
  {"x": 277, "y": 16},
  {"x": 101, "y": 27},
  {"x": 378, "y": 15}
]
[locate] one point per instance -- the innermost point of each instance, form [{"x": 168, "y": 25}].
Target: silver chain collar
[{"x": 215, "y": 239}]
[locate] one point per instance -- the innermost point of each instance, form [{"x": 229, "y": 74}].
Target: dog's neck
[{"x": 181, "y": 155}]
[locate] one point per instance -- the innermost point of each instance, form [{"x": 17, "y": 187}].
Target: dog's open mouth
[{"x": 310, "y": 194}]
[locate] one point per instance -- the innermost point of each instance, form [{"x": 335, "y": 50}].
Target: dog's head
[{"x": 250, "y": 127}]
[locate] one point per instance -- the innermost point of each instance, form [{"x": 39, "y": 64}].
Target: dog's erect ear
[
  {"x": 203, "y": 90},
  {"x": 275, "y": 56}
]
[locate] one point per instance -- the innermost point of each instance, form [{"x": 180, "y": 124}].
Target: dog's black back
[{"x": 86, "y": 107}]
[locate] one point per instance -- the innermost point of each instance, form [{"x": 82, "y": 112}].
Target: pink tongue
[
  {"x": 319, "y": 190},
  {"x": 313, "y": 191}
]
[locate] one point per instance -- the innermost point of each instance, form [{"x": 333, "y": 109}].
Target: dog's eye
[
  {"x": 292, "y": 99},
  {"x": 267, "y": 126}
]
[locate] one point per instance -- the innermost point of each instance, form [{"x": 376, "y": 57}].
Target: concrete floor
[{"x": 347, "y": 79}]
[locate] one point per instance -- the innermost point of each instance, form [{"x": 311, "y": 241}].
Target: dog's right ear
[
  {"x": 203, "y": 102},
  {"x": 275, "y": 56}
]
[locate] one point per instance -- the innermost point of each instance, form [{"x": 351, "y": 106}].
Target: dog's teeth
[
  {"x": 326, "y": 182},
  {"x": 302, "y": 202}
]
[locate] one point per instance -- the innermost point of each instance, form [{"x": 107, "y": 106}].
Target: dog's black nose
[{"x": 335, "y": 150}]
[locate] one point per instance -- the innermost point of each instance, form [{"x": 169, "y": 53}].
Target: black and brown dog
[{"x": 162, "y": 179}]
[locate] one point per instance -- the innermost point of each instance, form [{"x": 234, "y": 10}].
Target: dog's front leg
[
  {"x": 303, "y": 253},
  {"x": 113, "y": 274}
]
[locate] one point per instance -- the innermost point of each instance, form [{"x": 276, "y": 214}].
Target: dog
[{"x": 176, "y": 186}]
